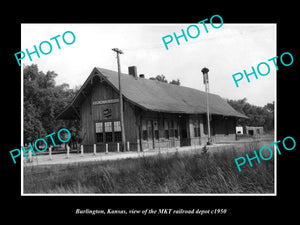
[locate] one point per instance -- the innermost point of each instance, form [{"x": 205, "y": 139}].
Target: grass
[{"x": 198, "y": 172}]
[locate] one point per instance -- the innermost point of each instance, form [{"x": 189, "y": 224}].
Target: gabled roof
[{"x": 154, "y": 95}]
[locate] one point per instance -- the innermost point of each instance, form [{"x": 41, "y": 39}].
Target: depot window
[
  {"x": 196, "y": 125},
  {"x": 166, "y": 127},
  {"x": 144, "y": 129},
  {"x": 117, "y": 131},
  {"x": 99, "y": 132},
  {"x": 155, "y": 128},
  {"x": 108, "y": 132}
]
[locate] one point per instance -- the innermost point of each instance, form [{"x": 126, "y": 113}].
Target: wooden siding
[
  {"x": 222, "y": 129},
  {"x": 105, "y": 99},
  {"x": 86, "y": 121},
  {"x": 148, "y": 118},
  {"x": 92, "y": 113}
]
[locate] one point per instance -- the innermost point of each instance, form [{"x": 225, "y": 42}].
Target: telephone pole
[
  {"x": 118, "y": 51},
  {"x": 205, "y": 81}
]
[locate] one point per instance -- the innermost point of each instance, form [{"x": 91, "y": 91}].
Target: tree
[
  {"x": 43, "y": 101},
  {"x": 32, "y": 123},
  {"x": 258, "y": 116},
  {"x": 269, "y": 116},
  {"x": 163, "y": 79},
  {"x": 176, "y": 82},
  {"x": 269, "y": 107},
  {"x": 33, "y": 127},
  {"x": 160, "y": 78}
]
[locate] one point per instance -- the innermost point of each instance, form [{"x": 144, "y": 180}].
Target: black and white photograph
[{"x": 148, "y": 115}]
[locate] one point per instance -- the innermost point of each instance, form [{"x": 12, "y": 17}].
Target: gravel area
[{"x": 75, "y": 157}]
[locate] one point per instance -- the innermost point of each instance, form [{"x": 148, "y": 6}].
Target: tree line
[
  {"x": 163, "y": 79},
  {"x": 257, "y": 115},
  {"x": 43, "y": 101}
]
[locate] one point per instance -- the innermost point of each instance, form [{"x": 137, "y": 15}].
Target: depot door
[{"x": 184, "y": 139}]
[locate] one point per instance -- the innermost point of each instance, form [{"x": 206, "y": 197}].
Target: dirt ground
[{"x": 77, "y": 157}]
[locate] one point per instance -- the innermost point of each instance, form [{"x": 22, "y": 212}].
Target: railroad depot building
[{"x": 156, "y": 114}]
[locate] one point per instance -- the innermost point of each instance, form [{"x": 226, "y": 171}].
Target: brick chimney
[{"x": 132, "y": 71}]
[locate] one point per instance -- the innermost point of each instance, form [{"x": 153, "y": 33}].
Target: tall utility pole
[
  {"x": 118, "y": 51},
  {"x": 205, "y": 81}
]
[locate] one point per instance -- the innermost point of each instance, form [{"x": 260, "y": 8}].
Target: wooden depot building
[{"x": 156, "y": 114}]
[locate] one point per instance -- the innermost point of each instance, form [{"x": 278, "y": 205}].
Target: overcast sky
[{"x": 224, "y": 51}]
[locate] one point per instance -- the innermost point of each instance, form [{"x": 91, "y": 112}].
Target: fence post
[
  {"x": 95, "y": 149},
  {"x": 68, "y": 152},
  {"x": 81, "y": 149},
  {"x": 128, "y": 146},
  {"x": 118, "y": 147},
  {"x": 30, "y": 156},
  {"x": 106, "y": 148},
  {"x": 50, "y": 152}
]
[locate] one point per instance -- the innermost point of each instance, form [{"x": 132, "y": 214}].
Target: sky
[{"x": 225, "y": 51}]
